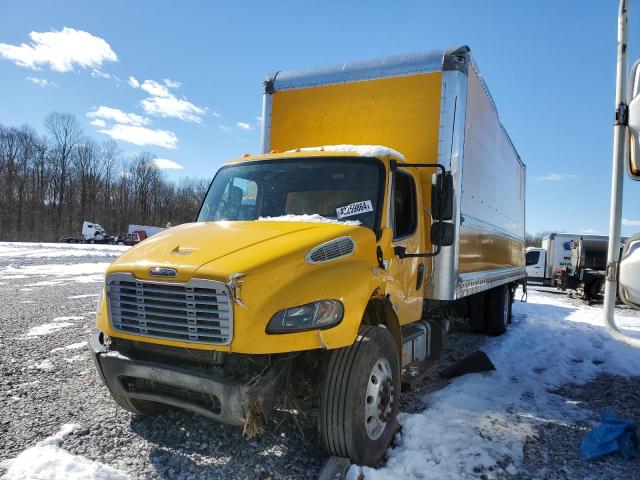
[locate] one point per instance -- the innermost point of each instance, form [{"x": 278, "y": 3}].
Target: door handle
[{"x": 420, "y": 276}]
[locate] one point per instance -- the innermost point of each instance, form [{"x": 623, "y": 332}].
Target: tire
[
  {"x": 140, "y": 407},
  {"x": 596, "y": 290},
  {"x": 359, "y": 398},
  {"x": 498, "y": 310},
  {"x": 477, "y": 316},
  {"x": 512, "y": 295}
]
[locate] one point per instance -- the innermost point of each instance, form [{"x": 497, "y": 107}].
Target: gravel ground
[
  {"x": 554, "y": 452},
  {"x": 42, "y": 388}
]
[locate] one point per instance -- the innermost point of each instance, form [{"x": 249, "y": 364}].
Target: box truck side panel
[
  {"x": 401, "y": 112},
  {"x": 492, "y": 203}
]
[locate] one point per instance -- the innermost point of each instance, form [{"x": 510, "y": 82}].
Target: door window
[
  {"x": 405, "y": 212},
  {"x": 532, "y": 258}
]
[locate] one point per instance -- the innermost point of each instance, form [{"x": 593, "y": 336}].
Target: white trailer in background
[{"x": 554, "y": 253}]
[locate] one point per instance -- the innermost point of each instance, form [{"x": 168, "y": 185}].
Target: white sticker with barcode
[{"x": 354, "y": 209}]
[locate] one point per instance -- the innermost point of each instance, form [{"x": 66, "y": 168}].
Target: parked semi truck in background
[
  {"x": 570, "y": 261},
  {"x": 335, "y": 264},
  {"x": 555, "y": 252},
  {"x": 586, "y": 272},
  {"x": 91, "y": 233}
]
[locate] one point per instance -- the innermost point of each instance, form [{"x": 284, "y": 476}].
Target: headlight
[{"x": 312, "y": 316}]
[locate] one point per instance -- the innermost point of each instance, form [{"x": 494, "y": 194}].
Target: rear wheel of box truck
[
  {"x": 359, "y": 399},
  {"x": 498, "y": 309},
  {"x": 476, "y": 309}
]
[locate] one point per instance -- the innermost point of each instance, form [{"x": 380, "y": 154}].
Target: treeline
[
  {"x": 50, "y": 184},
  {"x": 534, "y": 239}
]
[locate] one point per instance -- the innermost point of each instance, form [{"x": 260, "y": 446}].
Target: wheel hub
[{"x": 379, "y": 398}]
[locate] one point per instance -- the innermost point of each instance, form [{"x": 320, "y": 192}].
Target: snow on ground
[
  {"x": 47, "y": 461},
  {"x": 46, "y": 275},
  {"x": 482, "y": 420},
  {"x": 45, "y": 365},
  {"x": 73, "y": 346},
  {"x": 55, "y": 274},
  {"x": 57, "y": 250},
  {"x": 56, "y": 324}
]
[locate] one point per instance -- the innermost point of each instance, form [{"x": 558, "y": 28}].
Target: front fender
[{"x": 351, "y": 282}]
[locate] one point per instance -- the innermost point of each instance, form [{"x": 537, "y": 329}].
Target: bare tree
[
  {"x": 49, "y": 186},
  {"x": 65, "y": 132}
]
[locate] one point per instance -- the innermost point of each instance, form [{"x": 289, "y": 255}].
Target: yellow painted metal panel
[
  {"x": 480, "y": 250},
  {"x": 402, "y": 113},
  {"x": 271, "y": 255}
]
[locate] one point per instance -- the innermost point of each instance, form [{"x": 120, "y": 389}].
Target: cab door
[
  {"x": 406, "y": 285},
  {"x": 535, "y": 264}
]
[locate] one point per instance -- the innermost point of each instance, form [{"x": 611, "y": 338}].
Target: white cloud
[
  {"x": 591, "y": 231},
  {"x": 98, "y": 123},
  {"x": 631, "y": 223},
  {"x": 163, "y": 103},
  {"x": 244, "y": 126},
  {"x": 118, "y": 116},
  {"x": 41, "y": 82},
  {"x": 556, "y": 177},
  {"x": 216, "y": 114},
  {"x": 142, "y": 135},
  {"x": 133, "y": 82},
  {"x": 60, "y": 50},
  {"x": 97, "y": 73},
  {"x": 171, "y": 83},
  {"x": 224, "y": 128},
  {"x": 155, "y": 89},
  {"x": 166, "y": 164}
]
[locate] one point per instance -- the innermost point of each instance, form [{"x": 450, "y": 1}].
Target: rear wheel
[
  {"x": 359, "y": 399},
  {"x": 596, "y": 290},
  {"x": 477, "y": 317},
  {"x": 498, "y": 310}
]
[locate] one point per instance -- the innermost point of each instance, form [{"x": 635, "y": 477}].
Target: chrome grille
[
  {"x": 199, "y": 311},
  {"x": 331, "y": 250}
]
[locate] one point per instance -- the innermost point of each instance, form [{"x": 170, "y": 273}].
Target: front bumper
[{"x": 201, "y": 391}]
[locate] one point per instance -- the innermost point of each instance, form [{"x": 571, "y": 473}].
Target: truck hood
[{"x": 218, "y": 249}]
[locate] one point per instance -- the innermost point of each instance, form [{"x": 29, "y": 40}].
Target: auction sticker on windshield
[{"x": 354, "y": 209}]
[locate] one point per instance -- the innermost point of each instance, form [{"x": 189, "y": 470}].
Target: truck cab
[
  {"x": 93, "y": 233},
  {"x": 535, "y": 261},
  {"x": 339, "y": 262}
]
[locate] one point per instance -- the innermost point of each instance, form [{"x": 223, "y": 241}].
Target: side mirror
[
  {"x": 442, "y": 196},
  {"x": 633, "y": 155},
  {"x": 629, "y": 273}
]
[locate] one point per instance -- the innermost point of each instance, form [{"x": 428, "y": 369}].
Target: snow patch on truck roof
[
  {"x": 308, "y": 218},
  {"x": 362, "y": 150}
]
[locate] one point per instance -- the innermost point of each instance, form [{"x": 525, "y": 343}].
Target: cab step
[{"x": 422, "y": 344}]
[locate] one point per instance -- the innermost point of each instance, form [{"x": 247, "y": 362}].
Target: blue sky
[{"x": 550, "y": 66}]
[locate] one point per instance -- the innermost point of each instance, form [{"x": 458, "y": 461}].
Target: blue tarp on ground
[{"x": 611, "y": 435}]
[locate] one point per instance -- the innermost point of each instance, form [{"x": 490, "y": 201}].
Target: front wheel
[{"x": 359, "y": 400}]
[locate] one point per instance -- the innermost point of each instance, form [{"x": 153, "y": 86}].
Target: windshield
[{"x": 335, "y": 189}]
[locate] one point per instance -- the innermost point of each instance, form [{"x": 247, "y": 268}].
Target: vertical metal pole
[{"x": 617, "y": 174}]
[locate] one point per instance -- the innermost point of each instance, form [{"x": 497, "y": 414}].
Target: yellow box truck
[{"x": 387, "y": 197}]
